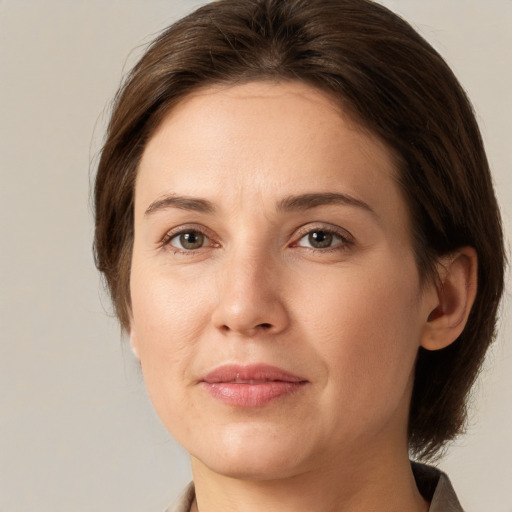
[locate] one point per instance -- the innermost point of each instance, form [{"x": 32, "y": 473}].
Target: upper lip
[{"x": 250, "y": 374}]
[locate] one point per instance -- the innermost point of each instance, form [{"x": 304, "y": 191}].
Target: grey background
[{"x": 77, "y": 432}]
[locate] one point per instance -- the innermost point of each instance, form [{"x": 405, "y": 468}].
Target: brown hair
[{"x": 396, "y": 85}]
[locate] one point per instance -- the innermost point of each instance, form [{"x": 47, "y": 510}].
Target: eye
[
  {"x": 321, "y": 239},
  {"x": 189, "y": 240}
]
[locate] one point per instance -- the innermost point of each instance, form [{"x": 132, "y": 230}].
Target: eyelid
[
  {"x": 345, "y": 235},
  {"x": 187, "y": 228}
]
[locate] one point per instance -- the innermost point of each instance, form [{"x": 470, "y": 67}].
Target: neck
[{"x": 355, "y": 486}]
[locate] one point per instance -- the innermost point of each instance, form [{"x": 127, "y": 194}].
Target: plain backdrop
[{"x": 77, "y": 431}]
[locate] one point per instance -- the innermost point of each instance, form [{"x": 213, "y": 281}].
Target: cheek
[
  {"x": 368, "y": 321},
  {"x": 168, "y": 318}
]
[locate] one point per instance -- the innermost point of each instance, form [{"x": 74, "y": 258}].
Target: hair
[{"x": 393, "y": 83}]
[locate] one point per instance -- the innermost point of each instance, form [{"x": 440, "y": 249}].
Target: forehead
[{"x": 265, "y": 139}]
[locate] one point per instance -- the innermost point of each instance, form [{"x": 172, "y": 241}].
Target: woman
[{"x": 296, "y": 222}]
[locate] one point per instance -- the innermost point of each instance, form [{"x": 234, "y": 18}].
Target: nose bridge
[
  {"x": 249, "y": 274},
  {"x": 250, "y": 299}
]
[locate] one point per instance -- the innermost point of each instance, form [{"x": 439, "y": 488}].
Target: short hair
[{"x": 393, "y": 83}]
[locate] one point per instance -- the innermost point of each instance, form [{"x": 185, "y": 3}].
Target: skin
[{"x": 347, "y": 318}]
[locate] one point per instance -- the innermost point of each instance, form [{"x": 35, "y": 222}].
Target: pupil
[
  {"x": 191, "y": 240},
  {"x": 320, "y": 239}
]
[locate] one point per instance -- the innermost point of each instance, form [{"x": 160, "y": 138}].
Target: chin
[
  {"x": 252, "y": 454},
  {"x": 253, "y": 467}
]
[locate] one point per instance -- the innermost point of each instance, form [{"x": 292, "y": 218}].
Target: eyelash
[
  {"x": 345, "y": 239},
  {"x": 184, "y": 230}
]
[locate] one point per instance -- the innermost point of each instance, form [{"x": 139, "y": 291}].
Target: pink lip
[{"x": 250, "y": 386}]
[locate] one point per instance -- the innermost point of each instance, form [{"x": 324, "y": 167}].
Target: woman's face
[{"x": 276, "y": 304}]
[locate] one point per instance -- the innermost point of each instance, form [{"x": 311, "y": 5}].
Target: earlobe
[
  {"x": 133, "y": 341},
  {"x": 135, "y": 351},
  {"x": 455, "y": 292}
]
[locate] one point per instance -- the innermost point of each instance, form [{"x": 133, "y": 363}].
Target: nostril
[{"x": 264, "y": 326}]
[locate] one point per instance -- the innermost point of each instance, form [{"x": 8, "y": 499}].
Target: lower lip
[{"x": 251, "y": 395}]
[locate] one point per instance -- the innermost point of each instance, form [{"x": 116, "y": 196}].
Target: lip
[{"x": 250, "y": 386}]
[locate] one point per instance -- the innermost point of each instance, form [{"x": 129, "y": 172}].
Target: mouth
[{"x": 250, "y": 386}]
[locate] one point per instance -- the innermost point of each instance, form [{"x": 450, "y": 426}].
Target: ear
[
  {"x": 134, "y": 348},
  {"x": 133, "y": 340},
  {"x": 454, "y": 295}
]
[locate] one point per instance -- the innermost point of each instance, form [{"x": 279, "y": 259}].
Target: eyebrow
[
  {"x": 309, "y": 201},
  {"x": 182, "y": 203},
  {"x": 300, "y": 202}
]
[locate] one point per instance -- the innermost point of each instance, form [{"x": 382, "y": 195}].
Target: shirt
[{"x": 434, "y": 486}]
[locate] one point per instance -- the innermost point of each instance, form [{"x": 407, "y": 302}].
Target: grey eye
[
  {"x": 189, "y": 240},
  {"x": 321, "y": 239}
]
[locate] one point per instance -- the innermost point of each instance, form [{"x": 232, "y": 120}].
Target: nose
[{"x": 251, "y": 298}]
